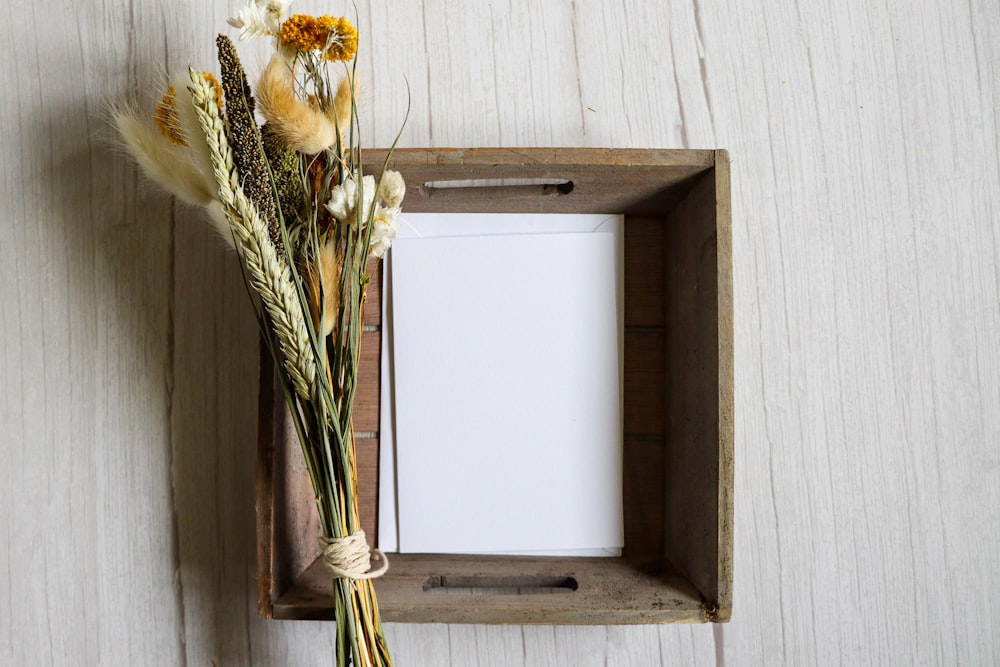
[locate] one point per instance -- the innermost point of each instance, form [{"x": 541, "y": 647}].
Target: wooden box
[{"x": 676, "y": 565}]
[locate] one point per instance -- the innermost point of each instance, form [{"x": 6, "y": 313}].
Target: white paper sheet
[{"x": 509, "y": 432}]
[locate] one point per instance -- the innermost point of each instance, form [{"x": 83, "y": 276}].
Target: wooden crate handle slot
[
  {"x": 496, "y": 585},
  {"x": 452, "y": 190}
]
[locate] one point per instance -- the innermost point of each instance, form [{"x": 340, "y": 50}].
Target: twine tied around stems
[{"x": 350, "y": 558}]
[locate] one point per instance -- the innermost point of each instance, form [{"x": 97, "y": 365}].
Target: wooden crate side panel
[
  {"x": 693, "y": 510},
  {"x": 373, "y": 296},
  {"x": 296, "y": 521},
  {"x": 267, "y": 441},
  {"x": 644, "y": 303},
  {"x": 284, "y": 494},
  {"x": 642, "y": 496},
  {"x": 474, "y": 160},
  {"x": 644, "y": 387},
  {"x": 727, "y": 398},
  {"x": 367, "y": 399},
  {"x": 604, "y": 180},
  {"x": 609, "y": 591},
  {"x": 287, "y": 520},
  {"x": 367, "y": 458},
  {"x": 643, "y": 444},
  {"x": 644, "y": 382}
]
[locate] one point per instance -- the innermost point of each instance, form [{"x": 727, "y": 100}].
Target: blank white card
[{"x": 505, "y": 376}]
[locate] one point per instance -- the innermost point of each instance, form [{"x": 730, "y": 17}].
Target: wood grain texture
[
  {"x": 698, "y": 346},
  {"x": 592, "y": 591},
  {"x": 866, "y": 205},
  {"x": 677, "y": 508}
]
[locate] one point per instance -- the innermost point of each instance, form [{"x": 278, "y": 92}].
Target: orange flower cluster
[
  {"x": 166, "y": 112},
  {"x": 336, "y": 38},
  {"x": 166, "y": 118}
]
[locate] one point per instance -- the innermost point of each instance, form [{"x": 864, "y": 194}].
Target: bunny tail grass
[
  {"x": 187, "y": 121},
  {"x": 300, "y": 126},
  {"x": 167, "y": 165},
  {"x": 344, "y": 101}
]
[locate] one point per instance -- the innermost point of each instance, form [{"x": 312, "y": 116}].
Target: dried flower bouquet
[{"x": 308, "y": 224}]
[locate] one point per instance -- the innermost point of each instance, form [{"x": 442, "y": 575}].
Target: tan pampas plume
[
  {"x": 343, "y": 101},
  {"x": 324, "y": 286},
  {"x": 301, "y": 125}
]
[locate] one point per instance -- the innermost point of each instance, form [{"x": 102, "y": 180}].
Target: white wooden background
[{"x": 866, "y": 207}]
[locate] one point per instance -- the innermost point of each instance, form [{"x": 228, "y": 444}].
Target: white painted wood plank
[
  {"x": 865, "y": 207},
  {"x": 87, "y": 569},
  {"x": 555, "y": 646}
]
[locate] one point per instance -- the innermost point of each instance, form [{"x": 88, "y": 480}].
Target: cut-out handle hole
[
  {"x": 448, "y": 585},
  {"x": 539, "y": 186}
]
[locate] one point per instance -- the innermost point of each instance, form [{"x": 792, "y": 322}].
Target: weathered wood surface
[
  {"x": 603, "y": 591},
  {"x": 678, "y": 470},
  {"x": 866, "y": 203}
]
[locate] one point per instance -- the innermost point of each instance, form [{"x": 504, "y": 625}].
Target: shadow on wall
[
  {"x": 110, "y": 248},
  {"x": 182, "y": 348},
  {"x": 214, "y": 421},
  {"x": 214, "y": 424}
]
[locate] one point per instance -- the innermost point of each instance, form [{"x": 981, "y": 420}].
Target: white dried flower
[
  {"x": 260, "y": 18},
  {"x": 392, "y": 189},
  {"x": 342, "y": 198},
  {"x": 343, "y": 203},
  {"x": 368, "y": 195},
  {"x": 385, "y": 229}
]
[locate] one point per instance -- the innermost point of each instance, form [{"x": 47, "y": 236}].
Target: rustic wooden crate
[{"x": 676, "y": 565}]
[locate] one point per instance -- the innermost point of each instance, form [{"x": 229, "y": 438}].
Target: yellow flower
[
  {"x": 216, "y": 87},
  {"x": 166, "y": 112},
  {"x": 336, "y": 38},
  {"x": 166, "y": 118}
]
